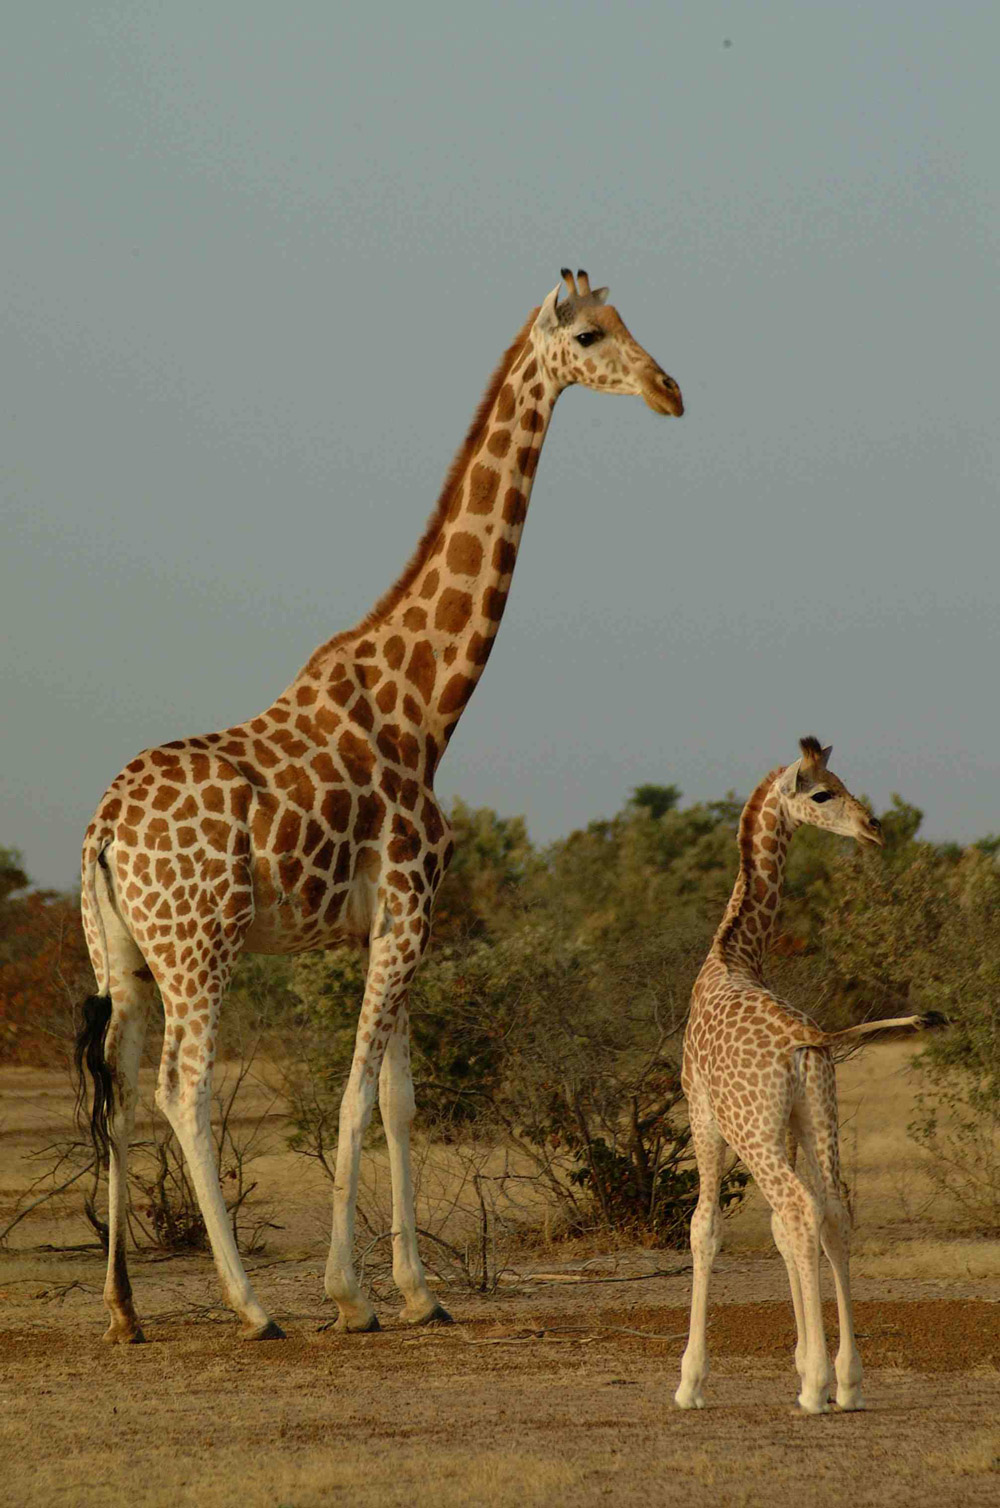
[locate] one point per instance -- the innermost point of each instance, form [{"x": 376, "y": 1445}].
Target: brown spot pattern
[
  {"x": 483, "y": 485},
  {"x": 464, "y": 554},
  {"x": 422, "y": 669},
  {"x": 455, "y": 695},
  {"x": 453, "y": 611}
]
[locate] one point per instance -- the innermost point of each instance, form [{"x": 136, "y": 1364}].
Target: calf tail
[{"x": 892, "y": 1026}]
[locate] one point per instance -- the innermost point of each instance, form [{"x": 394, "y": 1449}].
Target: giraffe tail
[
  {"x": 89, "y": 1056},
  {"x": 894, "y": 1025}
]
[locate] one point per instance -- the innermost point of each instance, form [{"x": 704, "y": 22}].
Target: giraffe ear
[
  {"x": 790, "y": 779},
  {"x": 600, "y": 294},
  {"x": 548, "y": 318}
]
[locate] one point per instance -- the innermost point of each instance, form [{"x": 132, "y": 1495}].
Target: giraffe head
[
  {"x": 811, "y": 793},
  {"x": 584, "y": 340}
]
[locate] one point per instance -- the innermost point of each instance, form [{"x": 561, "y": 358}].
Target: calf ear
[
  {"x": 790, "y": 779},
  {"x": 548, "y": 318}
]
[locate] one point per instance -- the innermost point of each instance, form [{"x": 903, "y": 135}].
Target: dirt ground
[{"x": 556, "y": 1389}]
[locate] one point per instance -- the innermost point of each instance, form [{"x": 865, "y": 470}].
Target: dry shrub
[
  {"x": 163, "y": 1211},
  {"x": 537, "y": 1048},
  {"x": 44, "y": 968}
]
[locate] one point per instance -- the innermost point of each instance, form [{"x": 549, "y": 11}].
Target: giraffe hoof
[
  {"x": 436, "y": 1316},
  {"x": 270, "y": 1331},
  {"x": 688, "y": 1400},
  {"x": 850, "y": 1402},
  {"x": 117, "y": 1336},
  {"x": 355, "y": 1327}
]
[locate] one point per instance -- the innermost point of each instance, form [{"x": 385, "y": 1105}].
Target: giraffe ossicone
[
  {"x": 759, "y": 1078},
  {"x": 316, "y": 823}
]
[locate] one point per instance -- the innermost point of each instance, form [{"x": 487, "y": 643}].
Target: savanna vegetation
[{"x": 547, "y": 1017}]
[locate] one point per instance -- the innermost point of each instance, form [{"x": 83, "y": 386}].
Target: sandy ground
[{"x": 542, "y": 1393}]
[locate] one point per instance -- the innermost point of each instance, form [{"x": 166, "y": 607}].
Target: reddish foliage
[{"x": 44, "y": 972}]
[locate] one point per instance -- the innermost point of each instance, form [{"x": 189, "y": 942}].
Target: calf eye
[
  {"x": 588, "y": 337},
  {"x": 823, "y": 796}
]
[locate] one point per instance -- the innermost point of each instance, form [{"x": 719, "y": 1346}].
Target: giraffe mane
[
  {"x": 744, "y": 839},
  {"x": 452, "y": 483}
]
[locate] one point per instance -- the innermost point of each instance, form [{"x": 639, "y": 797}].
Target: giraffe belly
[
  {"x": 316, "y": 912},
  {"x": 282, "y": 930}
]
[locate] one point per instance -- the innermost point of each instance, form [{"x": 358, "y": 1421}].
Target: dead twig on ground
[
  {"x": 61, "y": 1290},
  {"x": 568, "y": 1334},
  {"x": 575, "y": 1277},
  {"x": 49, "y": 1194}
]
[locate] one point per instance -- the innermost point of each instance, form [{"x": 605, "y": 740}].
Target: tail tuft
[
  {"x": 90, "y": 1055},
  {"x": 853, "y": 1036}
]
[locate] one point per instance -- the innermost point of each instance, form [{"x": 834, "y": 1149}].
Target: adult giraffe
[{"x": 316, "y": 823}]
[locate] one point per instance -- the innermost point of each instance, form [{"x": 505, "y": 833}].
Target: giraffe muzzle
[{"x": 663, "y": 395}]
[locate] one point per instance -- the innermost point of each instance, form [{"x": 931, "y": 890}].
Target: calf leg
[{"x": 706, "y": 1239}]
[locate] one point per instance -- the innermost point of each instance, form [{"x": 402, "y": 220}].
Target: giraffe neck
[
  {"x": 744, "y": 936},
  {"x": 458, "y": 597},
  {"x": 438, "y": 622}
]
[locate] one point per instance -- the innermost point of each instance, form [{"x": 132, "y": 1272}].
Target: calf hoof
[
  {"x": 357, "y": 1326},
  {"x": 814, "y": 1404},
  {"x": 850, "y": 1400},
  {"x": 436, "y": 1316},
  {"x": 270, "y": 1331},
  {"x": 687, "y": 1398}
]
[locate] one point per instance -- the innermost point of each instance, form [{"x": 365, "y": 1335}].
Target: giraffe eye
[
  {"x": 588, "y": 337},
  {"x": 823, "y": 796}
]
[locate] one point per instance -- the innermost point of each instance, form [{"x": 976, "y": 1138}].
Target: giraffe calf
[{"x": 759, "y": 1077}]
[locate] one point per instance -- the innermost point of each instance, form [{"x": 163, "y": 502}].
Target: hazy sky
[{"x": 260, "y": 261}]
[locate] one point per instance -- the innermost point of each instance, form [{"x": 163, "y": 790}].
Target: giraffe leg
[
  {"x": 132, "y": 993},
  {"x": 823, "y": 1151},
  {"x": 397, "y": 1107},
  {"x": 836, "y": 1245},
  {"x": 799, "y": 1215},
  {"x": 122, "y": 978},
  {"x": 341, "y": 1282},
  {"x": 706, "y": 1238},
  {"x": 184, "y": 1094},
  {"x": 393, "y": 956},
  {"x": 123, "y": 1049},
  {"x": 784, "y": 1245}
]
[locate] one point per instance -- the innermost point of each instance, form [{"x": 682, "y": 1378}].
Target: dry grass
[
  {"x": 974, "y": 1455},
  {"x": 946, "y": 1260},
  {"x": 456, "y": 1479},
  {"x": 374, "y": 1422},
  {"x": 314, "y": 1478}
]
